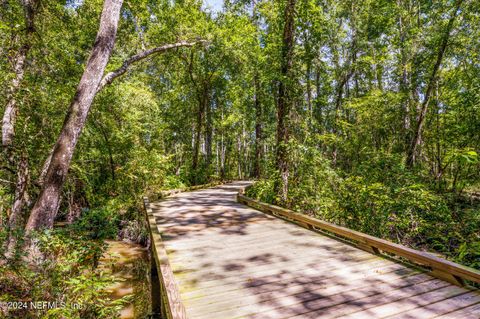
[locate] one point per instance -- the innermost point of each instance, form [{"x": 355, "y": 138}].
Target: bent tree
[
  {"x": 92, "y": 82},
  {"x": 46, "y": 206}
]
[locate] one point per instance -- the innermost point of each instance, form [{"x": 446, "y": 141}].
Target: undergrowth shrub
[
  {"x": 97, "y": 224},
  {"x": 381, "y": 198},
  {"x": 65, "y": 272}
]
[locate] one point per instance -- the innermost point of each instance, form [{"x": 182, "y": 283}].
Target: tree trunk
[
  {"x": 46, "y": 206},
  {"x": 10, "y": 117},
  {"x": 198, "y": 134},
  {"x": 239, "y": 156},
  {"x": 338, "y": 101},
  {"x": 403, "y": 87},
  {"x": 257, "y": 170},
  {"x": 16, "y": 218},
  {"x": 318, "y": 112},
  {"x": 11, "y": 110},
  {"x": 284, "y": 104},
  {"x": 104, "y": 133},
  {"x": 222, "y": 148},
  {"x": 20, "y": 197},
  {"x": 417, "y": 137},
  {"x": 308, "y": 81},
  {"x": 208, "y": 134}
]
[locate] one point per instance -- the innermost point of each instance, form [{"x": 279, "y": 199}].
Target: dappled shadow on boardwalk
[
  {"x": 189, "y": 213},
  {"x": 232, "y": 261}
]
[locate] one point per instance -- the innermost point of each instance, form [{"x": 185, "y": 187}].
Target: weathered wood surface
[
  {"x": 231, "y": 261},
  {"x": 171, "y": 305},
  {"x": 441, "y": 268}
]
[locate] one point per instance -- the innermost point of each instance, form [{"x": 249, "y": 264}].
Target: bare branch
[
  {"x": 107, "y": 79},
  {"x": 6, "y": 182}
]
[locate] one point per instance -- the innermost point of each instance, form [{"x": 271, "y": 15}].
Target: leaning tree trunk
[
  {"x": 46, "y": 206},
  {"x": 417, "y": 137},
  {"x": 284, "y": 104}
]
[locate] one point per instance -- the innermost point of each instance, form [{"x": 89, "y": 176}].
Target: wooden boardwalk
[{"x": 231, "y": 261}]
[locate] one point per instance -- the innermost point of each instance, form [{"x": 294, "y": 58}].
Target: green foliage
[
  {"x": 88, "y": 294},
  {"x": 262, "y": 190},
  {"x": 64, "y": 272},
  {"x": 358, "y": 82},
  {"x": 381, "y": 199},
  {"x": 96, "y": 224},
  {"x": 314, "y": 183}
]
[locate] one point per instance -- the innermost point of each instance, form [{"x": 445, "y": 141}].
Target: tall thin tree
[
  {"x": 284, "y": 104},
  {"x": 412, "y": 153}
]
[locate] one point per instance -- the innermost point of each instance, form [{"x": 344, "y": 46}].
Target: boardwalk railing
[
  {"x": 439, "y": 267},
  {"x": 166, "y": 193},
  {"x": 171, "y": 306}
]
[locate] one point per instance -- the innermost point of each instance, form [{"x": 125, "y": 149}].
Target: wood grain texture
[
  {"x": 172, "y": 305},
  {"x": 441, "y": 267},
  {"x": 231, "y": 261}
]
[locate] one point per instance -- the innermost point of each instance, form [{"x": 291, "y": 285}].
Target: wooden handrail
[
  {"x": 166, "y": 193},
  {"x": 172, "y": 306},
  {"x": 441, "y": 268}
]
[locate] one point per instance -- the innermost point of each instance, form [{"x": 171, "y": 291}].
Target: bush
[
  {"x": 66, "y": 273},
  {"x": 382, "y": 199},
  {"x": 97, "y": 224},
  {"x": 262, "y": 190}
]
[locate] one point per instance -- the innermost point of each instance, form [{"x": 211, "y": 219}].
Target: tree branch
[
  {"x": 107, "y": 79},
  {"x": 6, "y": 182}
]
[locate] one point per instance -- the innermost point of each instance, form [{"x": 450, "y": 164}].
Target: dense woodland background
[{"x": 363, "y": 113}]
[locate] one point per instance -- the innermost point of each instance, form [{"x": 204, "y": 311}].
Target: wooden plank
[
  {"x": 232, "y": 241},
  {"x": 471, "y": 312},
  {"x": 420, "y": 257},
  {"x": 278, "y": 277},
  {"x": 332, "y": 294},
  {"x": 170, "y": 192},
  {"x": 233, "y": 267},
  {"x": 287, "y": 249},
  {"x": 351, "y": 302},
  {"x": 272, "y": 282},
  {"x": 401, "y": 302},
  {"x": 230, "y": 262},
  {"x": 174, "y": 307},
  {"x": 256, "y": 278},
  {"x": 443, "y": 307}
]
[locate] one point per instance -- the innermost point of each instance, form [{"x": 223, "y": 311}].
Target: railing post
[
  {"x": 441, "y": 268},
  {"x": 155, "y": 292},
  {"x": 447, "y": 277},
  {"x": 368, "y": 248}
]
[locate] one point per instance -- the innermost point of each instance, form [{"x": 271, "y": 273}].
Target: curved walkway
[{"x": 231, "y": 261}]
